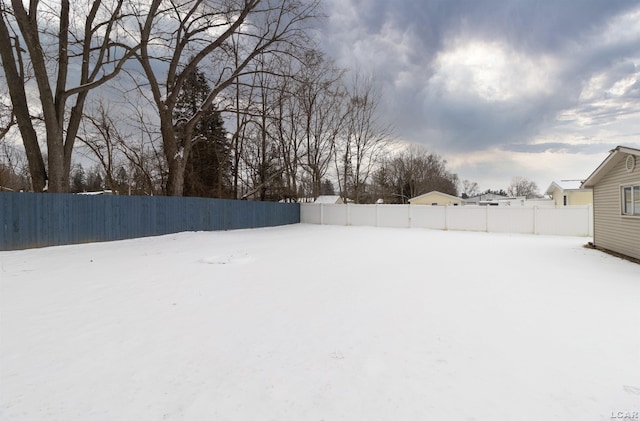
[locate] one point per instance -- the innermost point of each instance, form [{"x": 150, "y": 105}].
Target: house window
[{"x": 631, "y": 200}]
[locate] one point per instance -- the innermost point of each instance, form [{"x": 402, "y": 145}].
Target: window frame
[{"x": 634, "y": 200}]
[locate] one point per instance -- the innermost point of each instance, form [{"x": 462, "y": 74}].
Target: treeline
[{"x": 228, "y": 99}]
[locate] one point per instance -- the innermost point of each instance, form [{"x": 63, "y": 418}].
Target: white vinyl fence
[{"x": 566, "y": 220}]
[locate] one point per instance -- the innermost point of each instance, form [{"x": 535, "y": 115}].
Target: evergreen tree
[
  {"x": 326, "y": 188},
  {"x": 77, "y": 179},
  {"x": 94, "y": 180},
  {"x": 500, "y": 192},
  {"x": 208, "y": 168}
]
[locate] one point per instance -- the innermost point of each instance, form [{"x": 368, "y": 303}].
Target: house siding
[
  {"x": 438, "y": 198},
  {"x": 574, "y": 197},
  {"x": 557, "y": 196},
  {"x": 579, "y": 198},
  {"x": 612, "y": 230}
]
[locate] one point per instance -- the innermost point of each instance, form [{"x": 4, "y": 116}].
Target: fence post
[
  {"x": 535, "y": 217},
  {"x": 321, "y": 214},
  {"x": 446, "y": 218},
  {"x": 486, "y": 218}
]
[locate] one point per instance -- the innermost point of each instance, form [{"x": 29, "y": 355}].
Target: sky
[{"x": 538, "y": 89}]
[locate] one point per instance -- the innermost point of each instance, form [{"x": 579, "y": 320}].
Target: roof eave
[
  {"x": 437, "y": 192},
  {"x": 614, "y": 157},
  {"x": 552, "y": 187}
]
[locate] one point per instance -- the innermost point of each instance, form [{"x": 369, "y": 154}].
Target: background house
[
  {"x": 436, "y": 198},
  {"x": 483, "y": 199},
  {"x": 329, "y": 200},
  {"x": 569, "y": 193},
  {"x": 491, "y": 199},
  {"x": 616, "y": 202}
]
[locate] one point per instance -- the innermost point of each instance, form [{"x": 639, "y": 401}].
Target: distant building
[
  {"x": 484, "y": 199},
  {"x": 491, "y": 199},
  {"x": 616, "y": 202},
  {"x": 522, "y": 201},
  {"x": 329, "y": 200},
  {"x": 436, "y": 198},
  {"x": 569, "y": 193}
]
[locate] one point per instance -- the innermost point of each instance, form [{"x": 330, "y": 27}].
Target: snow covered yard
[{"x": 310, "y": 322}]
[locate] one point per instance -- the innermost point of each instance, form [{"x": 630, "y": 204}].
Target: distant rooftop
[
  {"x": 569, "y": 184},
  {"x": 328, "y": 199}
]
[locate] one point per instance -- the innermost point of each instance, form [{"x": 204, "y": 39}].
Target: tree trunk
[
  {"x": 58, "y": 183},
  {"x": 20, "y": 107},
  {"x": 174, "y": 146},
  {"x": 175, "y": 183},
  {"x": 50, "y": 110}
]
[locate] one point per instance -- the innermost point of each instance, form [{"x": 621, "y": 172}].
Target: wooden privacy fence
[
  {"x": 37, "y": 220},
  {"x": 566, "y": 220}
]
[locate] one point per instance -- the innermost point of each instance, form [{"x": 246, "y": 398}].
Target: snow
[
  {"x": 570, "y": 184},
  {"x": 328, "y": 200},
  {"x": 309, "y": 322}
]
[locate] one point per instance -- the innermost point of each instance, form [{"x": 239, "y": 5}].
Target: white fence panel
[
  {"x": 466, "y": 218},
  {"x": 363, "y": 215},
  {"x": 335, "y": 214},
  {"x": 567, "y": 220},
  {"x": 310, "y": 213},
  {"x": 506, "y": 219},
  {"x": 433, "y": 217},
  {"x": 393, "y": 216}
]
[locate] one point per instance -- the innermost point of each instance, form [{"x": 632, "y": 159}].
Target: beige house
[
  {"x": 616, "y": 202},
  {"x": 436, "y": 198},
  {"x": 569, "y": 193}
]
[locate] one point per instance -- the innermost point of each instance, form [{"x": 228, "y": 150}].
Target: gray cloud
[
  {"x": 465, "y": 76},
  {"x": 532, "y": 25},
  {"x": 589, "y": 148}
]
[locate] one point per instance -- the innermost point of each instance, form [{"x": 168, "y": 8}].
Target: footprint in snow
[
  {"x": 227, "y": 259},
  {"x": 631, "y": 389}
]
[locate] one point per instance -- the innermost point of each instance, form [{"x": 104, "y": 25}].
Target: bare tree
[
  {"x": 365, "y": 138},
  {"x": 14, "y": 171},
  {"x": 304, "y": 115},
  {"x": 265, "y": 166},
  {"x": 288, "y": 132},
  {"x": 146, "y": 171},
  {"x": 178, "y": 36},
  {"x": 413, "y": 172},
  {"x": 100, "y": 134},
  {"x": 9, "y": 179},
  {"x": 239, "y": 102},
  {"x": 59, "y": 39},
  {"x": 253, "y": 100},
  {"x": 13, "y": 66},
  {"x": 522, "y": 186},
  {"x": 7, "y": 116},
  {"x": 469, "y": 188},
  {"x": 319, "y": 95}
]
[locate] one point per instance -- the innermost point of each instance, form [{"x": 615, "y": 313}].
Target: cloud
[
  {"x": 484, "y": 93},
  {"x": 521, "y": 77}
]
